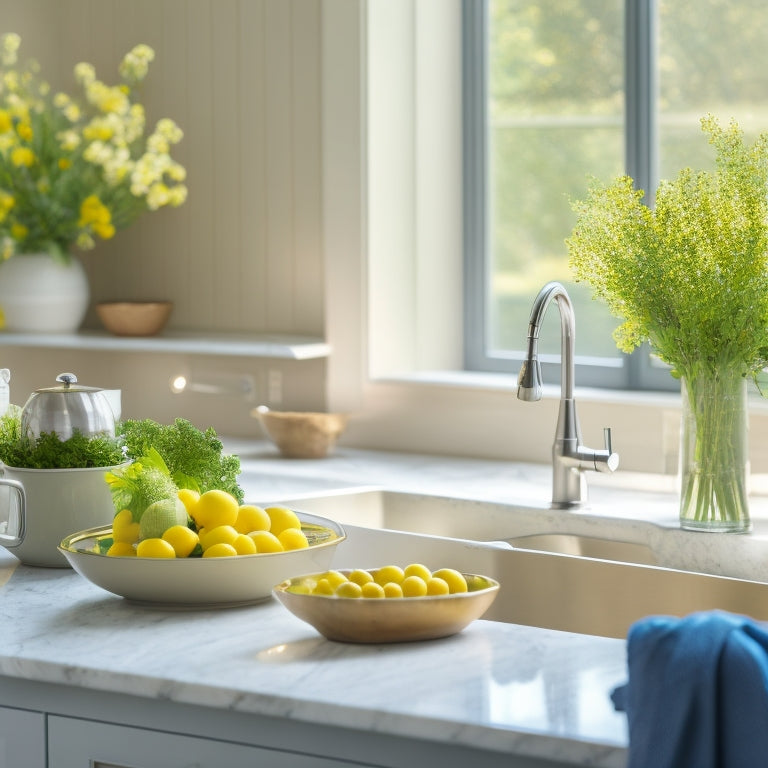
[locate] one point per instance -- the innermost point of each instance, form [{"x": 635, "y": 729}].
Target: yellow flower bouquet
[{"x": 75, "y": 170}]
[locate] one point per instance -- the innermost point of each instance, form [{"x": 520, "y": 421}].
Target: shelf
[{"x": 179, "y": 342}]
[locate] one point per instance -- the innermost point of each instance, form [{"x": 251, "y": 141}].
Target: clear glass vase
[{"x": 714, "y": 453}]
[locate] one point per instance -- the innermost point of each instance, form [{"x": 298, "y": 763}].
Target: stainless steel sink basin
[
  {"x": 557, "y": 591},
  {"x": 587, "y": 546},
  {"x": 520, "y": 526}
]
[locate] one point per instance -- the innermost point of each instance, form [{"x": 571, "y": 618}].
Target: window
[{"x": 560, "y": 91}]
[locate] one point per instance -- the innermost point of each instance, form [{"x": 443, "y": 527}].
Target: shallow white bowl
[{"x": 200, "y": 582}]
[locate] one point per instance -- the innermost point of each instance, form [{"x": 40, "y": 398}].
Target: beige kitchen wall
[{"x": 245, "y": 253}]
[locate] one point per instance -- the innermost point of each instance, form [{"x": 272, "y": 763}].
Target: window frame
[{"x": 638, "y": 371}]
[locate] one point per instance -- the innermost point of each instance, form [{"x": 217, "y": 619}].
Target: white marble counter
[
  {"x": 506, "y": 688},
  {"x": 498, "y": 687}
]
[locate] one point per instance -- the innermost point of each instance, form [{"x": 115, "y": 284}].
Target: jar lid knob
[{"x": 67, "y": 379}]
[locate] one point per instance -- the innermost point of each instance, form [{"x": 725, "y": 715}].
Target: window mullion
[{"x": 641, "y": 86}]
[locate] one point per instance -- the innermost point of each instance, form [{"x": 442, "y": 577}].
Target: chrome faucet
[{"x": 569, "y": 457}]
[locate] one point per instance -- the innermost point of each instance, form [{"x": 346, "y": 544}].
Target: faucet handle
[{"x": 607, "y": 460}]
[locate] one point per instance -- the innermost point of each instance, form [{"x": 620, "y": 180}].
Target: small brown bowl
[
  {"x": 134, "y": 318},
  {"x": 299, "y": 434}
]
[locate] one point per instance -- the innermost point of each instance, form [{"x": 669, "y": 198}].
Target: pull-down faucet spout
[{"x": 569, "y": 457}]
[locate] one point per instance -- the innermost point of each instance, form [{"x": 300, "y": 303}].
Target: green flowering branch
[{"x": 691, "y": 278}]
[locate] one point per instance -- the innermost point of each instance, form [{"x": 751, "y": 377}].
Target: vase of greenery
[
  {"x": 691, "y": 278},
  {"x": 73, "y": 171}
]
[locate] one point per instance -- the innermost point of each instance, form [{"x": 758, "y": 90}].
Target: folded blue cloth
[{"x": 697, "y": 695}]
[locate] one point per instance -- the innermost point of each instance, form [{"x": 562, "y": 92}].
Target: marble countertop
[
  {"x": 495, "y": 686},
  {"x": 500, "y": 687}
]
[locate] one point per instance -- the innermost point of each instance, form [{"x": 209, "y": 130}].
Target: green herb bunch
[
  {"x": 690, "y": 276},
  {"x": 48, "y": 451},
  {"x": 194, "y": 458}
]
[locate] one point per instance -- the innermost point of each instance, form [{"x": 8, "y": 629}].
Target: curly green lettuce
[{"x": 194, "y": 458}]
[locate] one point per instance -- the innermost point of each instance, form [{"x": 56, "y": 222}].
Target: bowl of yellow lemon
[
  {"x": 388, "y": 604},
  {"x": 202, "y": 552}
]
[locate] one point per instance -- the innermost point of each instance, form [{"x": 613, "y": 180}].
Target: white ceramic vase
[{"x": 40, "y": 294}]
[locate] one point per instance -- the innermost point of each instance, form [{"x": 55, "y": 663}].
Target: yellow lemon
[
  {"x": 455, "y": 580},
  {"x": 182, "y": 539},
  {"x": 220, "y": 550},
  {"x": 417, "y": 569},
  {"x": 121, "y": 549},
  {"x": 251, "y": 518},
  {"x": 244, "y": 545},
  {"x": 437, "y": 586},
  {"x": 323, "y": 587},
  {"x": 392, "y": 590},
  {"x": 372, "y": 589},
  {"x": 123, "y": 527},
  {"x": 189, "y": 499},
  {"x": 266, "y": 541},
  {"x": 414, "y": 586},
  {"x": 221, "y": 534},
  {"x": 215, "y": 508},
  {"x": 334, "y": 578},
  {"x": 387, "y": 573},
  {"x": 349, "y": 589},
  {"x": 360, "y": 576},
  {"x": 281, "y": 518},
  {"x": 154, "y": 547},
  {"x": 293, "y": 538}
]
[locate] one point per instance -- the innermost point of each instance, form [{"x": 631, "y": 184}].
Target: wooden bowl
[
  {"x": 134, "y": 318},
  {"x": 299, "y": 434}
]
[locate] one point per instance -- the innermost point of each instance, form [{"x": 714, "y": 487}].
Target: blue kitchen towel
[{"x": 697, "y": 695}]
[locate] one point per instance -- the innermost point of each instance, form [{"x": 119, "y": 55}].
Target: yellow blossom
[
  {"x": 97, "y": 131},
  {"x": 24, "y": 130},
  {"x": 96, "y": 215},
  {"x": 105, "y": 230},
  {"x": 22, "y": 156},
  {"x": 69, "y": 140},
  {"x": 84, "y": 241},
  {"x": 9, "y": 46},
  {"x": 85, "y": 73},
  {"x": 11, "y": 81},
  {"x": 157, "y": 196},
  {"x": 135, "y": 64},
  {"x": 177, "y": 195},
  {"x": 7, "y": 201},
  {"x": 168, "y": 129},
  {"x": 83, "y": 166},
  {"x": 18, "y": 231}
]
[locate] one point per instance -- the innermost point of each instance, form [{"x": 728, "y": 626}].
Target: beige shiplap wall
[{"x": 245, "y": 253}]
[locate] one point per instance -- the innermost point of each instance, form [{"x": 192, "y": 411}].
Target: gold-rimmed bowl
[
  {"x": 200, "y": 582},
  {"x": 387, "y": 620}
]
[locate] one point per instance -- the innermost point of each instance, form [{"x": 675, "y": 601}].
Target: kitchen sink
[
  {"x": 521, "y": 526},
  {"x": 594, "y": 596}
]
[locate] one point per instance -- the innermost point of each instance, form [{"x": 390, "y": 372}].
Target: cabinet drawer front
[
  {"x": 22, "y": 738},
  {"x": 90, "y": 744}
]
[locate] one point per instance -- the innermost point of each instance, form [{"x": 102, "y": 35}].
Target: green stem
[{"x": 714, "y": 452}]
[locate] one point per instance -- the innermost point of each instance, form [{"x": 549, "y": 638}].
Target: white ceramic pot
[
  {"x": 40, "y": 507},
  {"x": 40, "y": 294}
]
